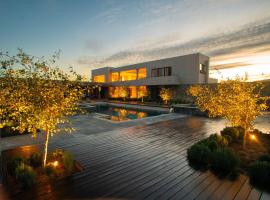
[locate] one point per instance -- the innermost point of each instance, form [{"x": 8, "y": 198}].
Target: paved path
[{"x": 143, "y": 162}]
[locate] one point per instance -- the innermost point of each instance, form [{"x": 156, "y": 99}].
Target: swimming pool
[{"x": 115, "y": 113}]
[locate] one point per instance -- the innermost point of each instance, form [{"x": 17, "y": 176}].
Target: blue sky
[{"x": 97, "y": 33}]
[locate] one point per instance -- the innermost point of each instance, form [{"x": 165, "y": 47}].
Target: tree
[
  {"x": 123, "y": 92},
  {"x": 166, "y": 94},
  {"x": 237, "y": 101},
  {"x": 36, "y": 95},
  {"x": 142, "y": 92}
]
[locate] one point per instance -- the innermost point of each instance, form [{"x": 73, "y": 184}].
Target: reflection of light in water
[
  {"x": 132, "y": 112},
  {"x": 141, "y": 114}
]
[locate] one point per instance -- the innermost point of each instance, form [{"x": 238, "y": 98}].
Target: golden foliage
[
  {"x": 166, "y": 94},
  {"x": 238, "y": 101},
  {"x": 36, "y": 94},
  {"x": 142, "y": 92},
  {"x": 123, "y": 92}
]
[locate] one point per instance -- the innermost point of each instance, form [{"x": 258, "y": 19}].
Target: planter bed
[{"x": 42, "y": 178}]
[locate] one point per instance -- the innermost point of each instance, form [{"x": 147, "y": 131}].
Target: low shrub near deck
[
  {"x": 230, "y": 152},
  {"x": 214, "y": 153},
  {"x": 224, "y": 162},
  {"x": 25, "y": 172},
  {"x": 199, "y": 154},
  {"x": 233, "y": 134},
  {"x": 14, "y": 163},
  {"x": 35, "y": 160},
  {"x": 26, "y": 176},
  {"x": 259, "y": 174}
]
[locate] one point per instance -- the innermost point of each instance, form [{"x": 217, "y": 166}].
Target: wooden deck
[{"x": 147, "y": 162}]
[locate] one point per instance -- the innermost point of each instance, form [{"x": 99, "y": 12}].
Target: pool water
[{"x": 124, "y": 114}]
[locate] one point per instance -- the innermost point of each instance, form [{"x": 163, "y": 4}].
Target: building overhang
[{"x": 163, "y": 80}]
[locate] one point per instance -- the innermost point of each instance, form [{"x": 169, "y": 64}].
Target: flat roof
[{"x": 146, "y": 62}]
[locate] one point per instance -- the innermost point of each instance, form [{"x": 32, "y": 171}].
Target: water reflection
[{"x": 119, "y": 114}]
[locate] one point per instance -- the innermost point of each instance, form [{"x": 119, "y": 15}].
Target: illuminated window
[
  {"x": 99, "y": 79},
  {"x": 114, "y": 92},
  {"x": 133, "y": 91},
  {"x": 142, "y": 73},
  {"x": 128, "y": 75},
  {"x": 115, "y": 76}
]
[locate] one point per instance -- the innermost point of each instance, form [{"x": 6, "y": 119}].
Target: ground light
[
  {"x": 252, "y": 137},
  {"x": 55, "y": 163}
]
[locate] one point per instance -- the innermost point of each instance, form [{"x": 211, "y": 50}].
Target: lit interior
[
  {"x": 134, "y": 92},
  {"x": 142, "y": 73},
  {"x": 114, "y": 92},
  {"x": 128, "y": 75},
  {"x": 114, "y": 76},
  {"x": 99, "y": 79}
]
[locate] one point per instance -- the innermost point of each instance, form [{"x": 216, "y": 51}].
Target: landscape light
[
  {"x": 253, "y": 137},
  {"x": 55, "y": 163}
]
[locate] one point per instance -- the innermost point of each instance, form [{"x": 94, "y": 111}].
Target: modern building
[{"x": 153, "y": 75}]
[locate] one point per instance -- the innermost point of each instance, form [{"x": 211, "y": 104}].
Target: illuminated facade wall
[
  {"x": 133, "y": 91},
  {"x": 186, "y": 69},
  {"x": 99, "y": 79}
]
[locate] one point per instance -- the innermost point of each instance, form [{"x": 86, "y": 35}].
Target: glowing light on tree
[
  {"x": 142, "y": 92},
  {"x": 237, "y": 101},
  {"x": 36, "y": 95},
  {"x": 166, "y": 94},
  {"x": 123, "y": 92}
]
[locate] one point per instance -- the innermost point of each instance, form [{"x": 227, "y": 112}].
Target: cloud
[{"x": 249, "y": 40}]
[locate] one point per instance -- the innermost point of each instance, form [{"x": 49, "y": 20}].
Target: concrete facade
[{"x": 184, "y": 70}]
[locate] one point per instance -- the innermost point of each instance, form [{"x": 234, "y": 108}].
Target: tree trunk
[
  {"x": 245, "y": 139},
  {"x": 46, "y": 148},
  {"x": 142, "y": 99}
]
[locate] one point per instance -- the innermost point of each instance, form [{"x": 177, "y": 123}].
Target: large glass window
[
  {"x": 133, "y": 91},
  {"x": 160, "y": 71},
  {"x": 167, "y": 71},
  {"x": 114, "y": 92},
  {"x": 142, "y": 73},
  {"x": 128, "y": 75},
  {"x": 99, "y": 79},
  {"x": 164, "y": 71},
  {"x": 114, "y": 76}
]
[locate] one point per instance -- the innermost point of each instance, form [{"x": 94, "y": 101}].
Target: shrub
[
  {"x": 259, "y": 173},
  {"x": 211, "y": 144},
  {"x": 233, "y": 132},
  {"x": 265, "y": 158},
  {"x": 219, "y": 139},
  {"x": 65, "y": 158},
  {"x": 199, "y": 154},
  {"x": 15, "y": 162},
  {"x": 35, "y": 160},
  {"x": 224, "y": 161},
  {"x": 49, "y": 170},
  {"x": 241, "y": 132},
  {"x": 68, "y": 161},
  {"x": 25, "y": 175}
]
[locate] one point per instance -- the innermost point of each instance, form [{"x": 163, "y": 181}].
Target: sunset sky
[{"x": 97, "y": 33}]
